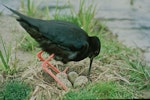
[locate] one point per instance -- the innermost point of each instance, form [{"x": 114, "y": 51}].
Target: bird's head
[
  {"x": 95, "y": 46},
  {"x": 94, "y": 50}
]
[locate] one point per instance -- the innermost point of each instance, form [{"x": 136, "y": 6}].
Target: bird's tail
[
  {"x": 15, "y": 12},
  {"x": 25, "y": 18},
  {"x": 29, "y": 24}
]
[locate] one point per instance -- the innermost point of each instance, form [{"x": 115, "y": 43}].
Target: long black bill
[{"x": 89, "y": 72}]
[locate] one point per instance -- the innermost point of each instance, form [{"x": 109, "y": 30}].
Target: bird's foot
[
  {"x": 39, "y": 55},
  {"x": 45, "y": 68}
]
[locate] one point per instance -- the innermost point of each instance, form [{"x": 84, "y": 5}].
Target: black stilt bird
[{"x": 66, "y": 40}]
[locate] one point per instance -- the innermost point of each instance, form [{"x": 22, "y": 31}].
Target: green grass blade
[
  {"x": 3, "y": 60},
  {"x": 6, "y": 56},
  {"x": 4, "y": 47}
]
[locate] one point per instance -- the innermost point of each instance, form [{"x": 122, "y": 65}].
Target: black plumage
[{"x": 66, "y": 40}]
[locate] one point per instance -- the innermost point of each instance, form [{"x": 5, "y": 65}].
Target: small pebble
[
  {"x": 72, "y": 76},
  {"x": 66, "y": 82},
  {"x": 80, "y": 81},
  {"x": 61, "y": 75}
]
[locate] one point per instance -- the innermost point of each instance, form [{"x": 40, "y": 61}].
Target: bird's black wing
[{"x": 65, "y": 34}]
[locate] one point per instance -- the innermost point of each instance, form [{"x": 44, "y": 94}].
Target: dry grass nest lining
[{"x": 43, "y": 84}]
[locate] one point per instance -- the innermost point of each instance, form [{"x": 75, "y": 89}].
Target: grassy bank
[{"x": 118, "y": 71}]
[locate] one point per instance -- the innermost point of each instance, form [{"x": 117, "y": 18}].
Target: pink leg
[
  {"x": 39, "y": 55},
  {"x": 53, "y": 68},
  {"x": 51, "y": 74},
  {"x": 42, "y": 59},
  {"x": 46, "y": 62}
]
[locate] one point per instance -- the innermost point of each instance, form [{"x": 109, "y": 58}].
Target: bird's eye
[{"x": 96, "y": 52}]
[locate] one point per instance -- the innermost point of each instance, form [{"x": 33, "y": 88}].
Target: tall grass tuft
[
  {"x": 27, "y": 43},
  {"x": 83, "y": 18},
  {"x": 5, "y": 57},
  {"x": 30, "y": 8}
]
